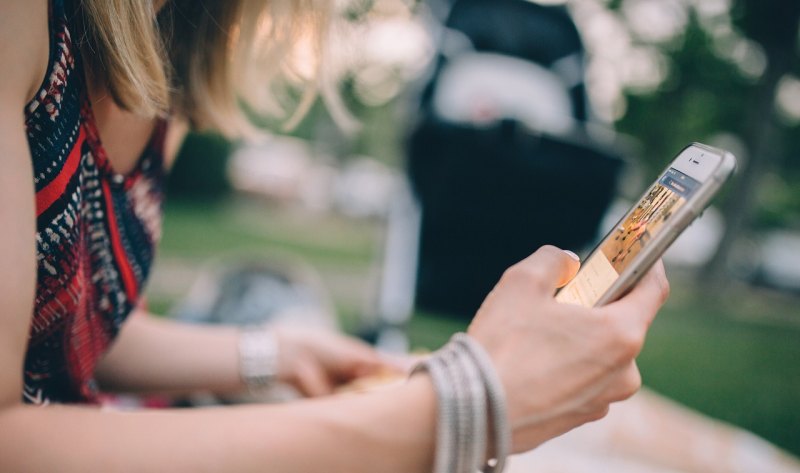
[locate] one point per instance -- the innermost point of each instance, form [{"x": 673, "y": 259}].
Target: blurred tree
[
  {"x": 709, "y": 93},
  {"x": 774, "y": 25}
]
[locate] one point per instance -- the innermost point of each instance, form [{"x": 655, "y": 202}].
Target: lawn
[{"x": 737, "y": 359}]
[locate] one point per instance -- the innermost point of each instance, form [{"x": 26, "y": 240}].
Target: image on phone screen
[{"x": 621, "y": 246}]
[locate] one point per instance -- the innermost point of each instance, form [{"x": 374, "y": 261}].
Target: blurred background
[{"x": 484, "y": 129}]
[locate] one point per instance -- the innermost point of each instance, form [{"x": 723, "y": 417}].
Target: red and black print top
[{"x": 95, "y": 230}]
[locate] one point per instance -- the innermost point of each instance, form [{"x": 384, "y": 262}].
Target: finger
[
  {"x": 401, "y": 363},
  {"x": 360, "y": 359},
  {"x": 644, "y": 300},
  {"x": 596, "y": 414},
  {"x": 574, "y": 266},
  {"x": 625, "y": 384},
  {"x": 547, "y": 269},
  {"x": 525, "y": 438},
  {"x": 311, "y": 379}
]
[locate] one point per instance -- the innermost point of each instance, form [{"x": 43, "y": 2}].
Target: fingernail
[{"x": 572, "y": 255}]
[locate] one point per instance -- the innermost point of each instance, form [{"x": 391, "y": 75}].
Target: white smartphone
[{"x": 677, "y": 197}]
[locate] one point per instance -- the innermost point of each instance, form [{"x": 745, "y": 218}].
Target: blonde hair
[{"x": 211, "y": 60}]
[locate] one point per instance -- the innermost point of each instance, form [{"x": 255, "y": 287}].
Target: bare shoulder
[{"x": 24, "y": 48}]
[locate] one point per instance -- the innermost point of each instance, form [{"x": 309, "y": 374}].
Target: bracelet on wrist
[
  {"x": 467, "y": 386},
  {"x": 258, "y": 357}
]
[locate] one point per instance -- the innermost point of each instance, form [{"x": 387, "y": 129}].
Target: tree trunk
[{"x": 759, "y": 139}]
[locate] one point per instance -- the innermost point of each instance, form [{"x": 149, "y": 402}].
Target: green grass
[
  {"x": 342, "y": 250},
  {"x": 197, "y": 231},
  {"x": 736, "y": 359},
  {"x": 721, "y": 361}
]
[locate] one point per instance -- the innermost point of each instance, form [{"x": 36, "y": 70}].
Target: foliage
[{"x": 709, "y": 97}]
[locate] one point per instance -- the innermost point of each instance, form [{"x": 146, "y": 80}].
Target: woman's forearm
[
  {"x": 157, "y": 355},
  {"x": 387, "y": 431}
]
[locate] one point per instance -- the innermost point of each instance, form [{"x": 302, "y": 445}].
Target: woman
[{"x": 83, "y": 152}]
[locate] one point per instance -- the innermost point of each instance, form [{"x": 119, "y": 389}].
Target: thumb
[
  {"x": 646, "y": 298},
  {"x": 549, "y": 268}
]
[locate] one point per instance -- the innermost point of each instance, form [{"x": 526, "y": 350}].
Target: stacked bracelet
[
  {"x": 258, "y": 357},
  {"x": 466, "y": 385},
  {"x": 496, "y": 398}
]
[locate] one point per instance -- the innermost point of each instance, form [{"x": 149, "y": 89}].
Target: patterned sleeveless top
[{"x": 95, "y": 229}]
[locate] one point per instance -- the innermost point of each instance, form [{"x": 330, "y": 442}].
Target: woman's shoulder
[{"x": 25, "y": 51}]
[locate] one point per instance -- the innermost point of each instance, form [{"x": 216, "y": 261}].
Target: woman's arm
[
  {"x": 161, "y": 356},
  {"x": 387, "y": 432},
  {"x": 158, "y": 355},
  {"x": 23, "y": 53}
]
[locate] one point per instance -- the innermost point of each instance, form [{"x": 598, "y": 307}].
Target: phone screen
[{"x": 604, "y": 266}]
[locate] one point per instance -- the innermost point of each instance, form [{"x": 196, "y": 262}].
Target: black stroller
[{"x": 502, "y": 157}]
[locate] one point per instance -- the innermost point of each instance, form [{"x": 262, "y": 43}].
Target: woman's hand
[
  {"x": 561, "y": 364},
  {"x": 315, "y": 361}
]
